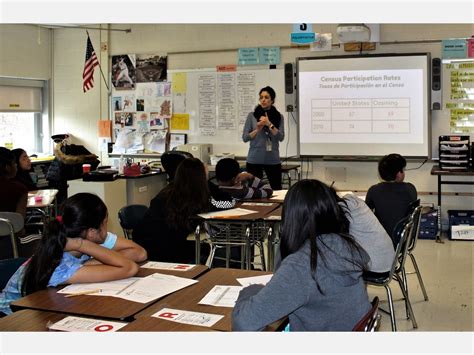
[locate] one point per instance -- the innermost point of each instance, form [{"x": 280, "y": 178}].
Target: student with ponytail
[{"x": 75, "y": 248}]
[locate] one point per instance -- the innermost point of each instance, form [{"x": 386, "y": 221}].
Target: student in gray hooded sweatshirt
[{"x": 319, "y": 283}]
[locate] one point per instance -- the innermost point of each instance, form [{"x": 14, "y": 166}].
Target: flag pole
[{"x": 101, "y": 72}]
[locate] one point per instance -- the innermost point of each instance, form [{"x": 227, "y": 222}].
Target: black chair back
[
  {"x": 130, "y": 217},
  {"x": 170, "y": 161}
]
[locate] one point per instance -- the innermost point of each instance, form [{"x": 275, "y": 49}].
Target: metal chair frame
[
  {"x": 403, "y": 231},
  {"x": 11, "y": 223},
  {"x": 230, "y": 234},
  {"x": 371, "y": 321},
  {"x": 411, "y": 248}
]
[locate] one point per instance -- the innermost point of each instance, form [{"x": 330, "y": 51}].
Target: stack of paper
[{"x": 134, "y": 289}]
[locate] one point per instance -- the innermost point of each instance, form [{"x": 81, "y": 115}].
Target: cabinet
[
  {"x": 113, "y": 193},
  {"x": 121, "y": 192}
]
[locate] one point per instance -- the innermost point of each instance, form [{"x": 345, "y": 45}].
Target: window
[{"x": 24, "y": 115}]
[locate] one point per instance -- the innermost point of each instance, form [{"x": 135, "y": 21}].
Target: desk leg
[
  {"x": 438, "y": 234},
  {"x": 197, "y": 240},
  {"x": 270, "y": 250}
]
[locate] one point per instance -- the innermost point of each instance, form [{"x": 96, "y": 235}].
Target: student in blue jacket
[{"x": 75, "y": 248}]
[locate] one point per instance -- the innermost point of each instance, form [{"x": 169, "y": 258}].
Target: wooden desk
[
  {"x": 42, "y": 199},
  {"x": 194, "y": 273},
  {"x": 93, "y": 306},
  {"x": 440, "y": 173},
  {"x": 247, "y": 221},
  {"x": 187, "y": 299},
  {"x": 152, "y": 324},
  {"x": 29, "y": 320}
]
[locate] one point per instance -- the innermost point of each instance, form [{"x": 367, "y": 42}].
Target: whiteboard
[{"x": 205, "y": 103}]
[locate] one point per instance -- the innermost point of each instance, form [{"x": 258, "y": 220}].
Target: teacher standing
[{"x": 264, "y": 128}]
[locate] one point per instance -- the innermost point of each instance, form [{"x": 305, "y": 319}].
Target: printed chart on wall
[
  {"x": 211, "y": 106},
  {"x": 141, "y": 103},
  {"x": 458, "y": 95}
]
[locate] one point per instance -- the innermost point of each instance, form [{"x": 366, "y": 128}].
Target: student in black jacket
[{"x": 171, "y": 215}]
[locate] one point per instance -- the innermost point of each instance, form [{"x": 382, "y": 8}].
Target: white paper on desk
[
  {"x": 274, "y": 218},
  {"x": 136, "y": 289},
  {"x": 79, "y": 324},
  {"x": 154, "y": 286},
  {"x": 167, "y": 266},
  {"x": 255, "y": 280},
  {"x": 222, "y": 296},
  {"x": 257, "y": 204},
  {"x": 187, "y": 317},
  {"x": 108, "y": 288},
  {"x": 233, "y": 212},
  {"x": 344, "y": 193},
  {"x": 278, "y": 195}
]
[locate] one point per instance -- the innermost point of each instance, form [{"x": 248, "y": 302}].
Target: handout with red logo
[
  {"x": 186, "y": 317},
  {"x": 79, "y": 324},
  {"x": 167, "y": 266}
]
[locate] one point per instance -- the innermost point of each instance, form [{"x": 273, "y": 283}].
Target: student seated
[
  {"x": 391, "y": 198},
  {"x": 23, "y": 163},
  {"x": 75, "y": 248},
  {"x": 369, "y": 233},
  {"x": 13, "y": 194},
  {"x": 240, "y": 185},
  {"x": 319, "y": 284},
  {"x": 168, "y": 221}
]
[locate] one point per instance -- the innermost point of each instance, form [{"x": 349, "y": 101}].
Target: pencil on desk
[{"x": 88, "y": 292}]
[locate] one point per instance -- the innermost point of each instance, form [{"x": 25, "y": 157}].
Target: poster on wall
[
  {"x": 151, "y": 68},
  {"x": 123, "y": 71},
  {"x": 458, "y": 77}
]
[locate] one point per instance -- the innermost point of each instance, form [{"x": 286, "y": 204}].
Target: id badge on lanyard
[{"x": 269, "y": 145}]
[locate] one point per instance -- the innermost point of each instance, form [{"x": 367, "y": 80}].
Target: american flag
[{"x": 91, "y": 62}]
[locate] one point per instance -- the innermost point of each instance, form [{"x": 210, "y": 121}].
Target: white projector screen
[{"x": 364, "y": 105}]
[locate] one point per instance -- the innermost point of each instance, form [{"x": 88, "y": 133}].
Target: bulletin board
[
  {"x": 215, "y": 106},
  {"x": 457, "y": 114},
  {"x": 140, "y": 103}
]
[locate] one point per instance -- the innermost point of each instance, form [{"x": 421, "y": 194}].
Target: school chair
[
  {"x": 228, "y": 236},
  {"x": 402, "y": 233},
  {"x": 130, "y": 217},
  {"x": 416, "y": 215},
  {"x": 10, "y": 224},
  {"x": 170, "y": 161},
  {"x": 370, "y": 321}
]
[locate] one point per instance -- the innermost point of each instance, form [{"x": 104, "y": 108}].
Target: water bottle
[{"x": 121, "y": 164}]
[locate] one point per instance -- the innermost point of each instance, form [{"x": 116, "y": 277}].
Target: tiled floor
[{"x": 447, "y": 271}]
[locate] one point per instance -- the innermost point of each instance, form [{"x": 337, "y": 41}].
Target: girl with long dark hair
[
  {"x": 14, "y": 195},
  {"x": 167, "y": 223},
  {"x": 65, "y": 252},
  {"x": 23, "y": 163},
  {"x": 319, "y": 284}
]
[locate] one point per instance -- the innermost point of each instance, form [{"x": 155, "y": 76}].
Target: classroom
[{"x": 46, "y": 61}]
